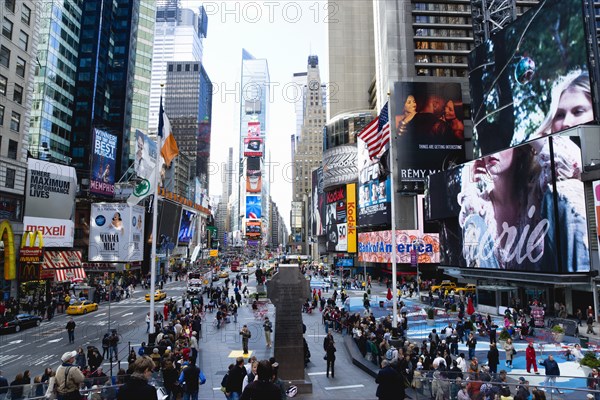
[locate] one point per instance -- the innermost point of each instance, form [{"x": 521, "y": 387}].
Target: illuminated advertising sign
[
  {"x": 116, "y": 232},
  {"x": 376, "y": 247},
  {"x": 104, "y": 156},
  {"x": 253, "y": 129},
  {"x": 317, "y": 215},
  {"x": 526, "y": 77},
  {"x": 374, "y": 201},
  {"x": 186, "y": 227},
  {"x": 253, "y": 229},
  {"x": 511, "y": 211},
  {"x": 253, "y": 147},
  {"x": 253, "y": 207},
  {"x": 428, "y": 130},
  {"x": 351, "y": 216},
  {"x": 253, "y": 181},
  {"x": 596, "y": 187}
]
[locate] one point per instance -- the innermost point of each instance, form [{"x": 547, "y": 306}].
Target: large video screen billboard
[
  {"x": 186, "y": 227},
  {"x": 104, "y": 158},
  {"x": 521, "y": 209},
  {"x": 376, "y": 247},
  {"x": 253, "y": 207},
  {"x": 531, "y": 78},
  {"x": 427, "y": 121}
]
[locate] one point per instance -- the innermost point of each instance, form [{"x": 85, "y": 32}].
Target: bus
[{"x": 235, "y": 266}]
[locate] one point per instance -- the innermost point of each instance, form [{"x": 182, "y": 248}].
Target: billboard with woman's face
[
  {"x": 428, "y": 130},
  {"x": 531, "y": 79},
  {"x": 521, "y": 209}
]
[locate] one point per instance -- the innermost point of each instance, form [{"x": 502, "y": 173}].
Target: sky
[{"x": 285, "y": 34}]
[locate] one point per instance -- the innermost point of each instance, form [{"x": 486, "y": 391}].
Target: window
[
  {"x": 178, "y": 67},
  {"x": 171, "y": 68},
  {"x": 18, "y": 94},
  {"x": 15, "y": 121},
  {"x": 13, "y": 146},
  {"x": 3, "y": 85},
  {"x": 23, "y": 40},
  {"x": 4, "y": 56},
  {"x": 187, "y": 67},
  {"x": 10, "y": 5},
  {"x": 1, "y": 115},
  {"x": 21, "y": 67},
  {"x": 10, "y": 178},
  {"x": 25, "y": 14},
  {"x": 7, "y": 28}
]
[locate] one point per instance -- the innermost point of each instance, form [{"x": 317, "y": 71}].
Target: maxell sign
[{"x": 50, "y": 202}]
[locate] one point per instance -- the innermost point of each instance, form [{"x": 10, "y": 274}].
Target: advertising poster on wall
[
  {"x": 253, "y": 181},
  {"x": 336, "y": 222},
  {"x": 253, "y": 147},
  {"x": 145, "y": 155},
  {"x": 50, "y": 202},
  {"x": 317, "y": 215},
  {"x": 116, "y": 232},
  {"x": 505, "y": 213},
  {"x": 525, "y": 78},
  {"x": 428, "y": 130},
  {"x": 253, "y": 207},
  {"x": 374, "y": 201},
  {"x": 253, "y": 129},
  {"x": 339, "y": 165},
  {"x": 187, "y": 227},
  {"x": 596, "y": 187},
  {"x": 104, "y": 156},
  {"x": 376, "y": 247},
  {"x": 351, "y": 216}
]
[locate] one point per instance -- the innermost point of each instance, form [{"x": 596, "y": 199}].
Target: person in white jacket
[{"x": 461, "y": 362}]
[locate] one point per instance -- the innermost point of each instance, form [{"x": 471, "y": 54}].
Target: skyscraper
[
  {"x": 177, "y": 37},
  {"x": 18, "y": 48},
  {"x": 105, "y": 78},
  {"x": 54, "y": 81}
]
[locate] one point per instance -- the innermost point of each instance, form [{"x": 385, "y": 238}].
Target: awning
[
  {"x": 60, "y": 259},
  {"x": 69, "y": 275}
]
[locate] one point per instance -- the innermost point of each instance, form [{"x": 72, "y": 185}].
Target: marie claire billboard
[
  {"x": 104, "y": 158},
  {"x": 116, "y": 232},
  {"x": 377, "y": 247},
  {"x": 50, "y": 202}
]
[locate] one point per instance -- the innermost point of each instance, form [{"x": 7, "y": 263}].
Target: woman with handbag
[{"x": 509, "y": 348}]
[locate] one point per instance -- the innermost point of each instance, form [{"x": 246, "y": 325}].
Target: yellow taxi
[
  {"x": 223, "y": 274},
  {"x": 158, "y": 295},
  {"x": 82, "y": 307},
  {"x": 469, "y": 288}
]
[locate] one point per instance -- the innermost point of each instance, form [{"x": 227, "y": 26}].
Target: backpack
[
  {"x": 389, "y": 355},
  {"x": 224, "y": 383}
]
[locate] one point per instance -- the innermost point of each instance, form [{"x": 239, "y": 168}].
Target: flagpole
[
  {"x": 157, "y": 168},
  {"x": 393, "y": 226}
]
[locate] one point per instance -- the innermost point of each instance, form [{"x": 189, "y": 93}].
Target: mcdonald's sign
[
  {"x": 30, "y": 272},
  {"x": 7, "y": 236},
  {"x": 30, "y": 252}
]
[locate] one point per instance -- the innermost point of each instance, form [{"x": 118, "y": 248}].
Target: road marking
[
  {"x": 316, "y": 335},
  {"x": 127, "y": 314},
  {"x": 344, "y": 387},
  {"x": 317, "y": 373},
  {"x": 15, "y": 341},
  {"x": 99, "y": 315},
  {"x": 55, "y": 340},
  {"x": 216, "y": 388}
]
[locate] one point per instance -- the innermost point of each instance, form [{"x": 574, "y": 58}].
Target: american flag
[{"x": 377, "y": 134}]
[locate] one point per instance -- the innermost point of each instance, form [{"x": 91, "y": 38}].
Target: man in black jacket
[
  {"x": 390, "y": 383},
  {"x": 263, "y": 388},
  {"x": 236, "y": 378}
]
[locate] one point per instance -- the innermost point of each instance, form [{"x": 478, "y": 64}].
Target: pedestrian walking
[
  {"x": 579, "y": 316},
  {"x": 262, "y": 388},
  {"x": 390, "y": 385},
  {"x": 493, "y": 358},
  {"x": 137, "y": 386},
  {"x": 147, "y": 322},
  {"x": 330, "y": 357},
  {"x": 114, "y": 345},
  {"x": 509, "y": 348},
  {"x": 246, "y": 335},
  {"x": 105, "y": 345},
  {"x": 471, "y": 344},
  {"x": 590, "y": 323},
  {"x": 71, "y": 330},
  {"x": 191, "y": 379},
  {"x": 593, "y": 383},
  {"x": 68, "y": 377},
  {"x": 552, "y": 372},
  {"x": 268, "y": 327},
  {"x": 235, "y": 379},
  {"x": 530, "y": 358}
]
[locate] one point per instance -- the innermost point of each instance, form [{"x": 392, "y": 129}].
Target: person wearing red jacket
[{"x": 530, "y": 358}]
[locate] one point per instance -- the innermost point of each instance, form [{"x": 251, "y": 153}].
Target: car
[
  {"x": 469, "y": 288},
  {"x": 158, "y": 295},
  {"x": 215, "y": 277},
  {"x": 223, "y": 274},
  {"x": 82, "y": 307},
  {"x": 445, "y": 285},
  {"x": 20, "y": 321}
]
